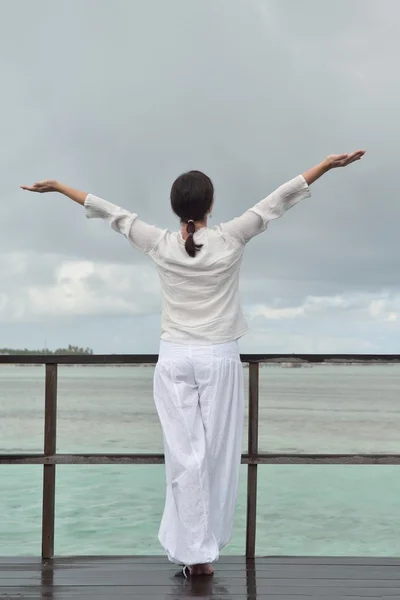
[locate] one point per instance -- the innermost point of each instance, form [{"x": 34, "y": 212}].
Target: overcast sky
[{"x": 118, "y": 97}]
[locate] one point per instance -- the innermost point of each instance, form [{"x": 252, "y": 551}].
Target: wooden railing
[{"x": 50, "y": 458}]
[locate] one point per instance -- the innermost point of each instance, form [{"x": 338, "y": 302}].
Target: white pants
[{"x": 199, "y": 396}]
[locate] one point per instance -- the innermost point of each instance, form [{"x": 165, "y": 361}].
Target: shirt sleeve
[
  {"x": 140, "y": 235},
  {"x": 255, "y": 220}
]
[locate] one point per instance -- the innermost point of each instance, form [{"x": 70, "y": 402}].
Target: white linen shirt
[{"x": 200, "y": 295}]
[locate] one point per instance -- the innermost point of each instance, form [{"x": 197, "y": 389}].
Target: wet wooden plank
[
  {"x": 225, "y": 562},
  {"x": 112, "y": 593},
  {"x": 323, "y": 560},
  {"x": 117, "y": 595},
  {"x": 363, "y": 591},
  {"x": 131, "y": 560},
  {"x": 185, "y": 590},
  {"x": 153, "y": 578}
]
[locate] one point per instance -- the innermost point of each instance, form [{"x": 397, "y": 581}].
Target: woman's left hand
[{"x": 342, "y": 160}]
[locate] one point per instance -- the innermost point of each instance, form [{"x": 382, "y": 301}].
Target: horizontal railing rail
[
  {"x": 50, "y": 458},
  {"x": 135, "y": 359}
]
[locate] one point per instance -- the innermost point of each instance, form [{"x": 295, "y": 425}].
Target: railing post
[
  {"x": 254, "y": 371},
  {"x": 49, "y": 471}
]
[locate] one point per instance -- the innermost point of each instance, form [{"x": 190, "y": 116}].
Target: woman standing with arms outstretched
[{"x": 198, "y": 380}]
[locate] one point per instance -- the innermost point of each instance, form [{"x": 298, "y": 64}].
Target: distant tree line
[{"x": 69, "y": 350}]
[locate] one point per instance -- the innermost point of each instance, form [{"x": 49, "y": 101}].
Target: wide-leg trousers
[{"x": 199, "y": 395}]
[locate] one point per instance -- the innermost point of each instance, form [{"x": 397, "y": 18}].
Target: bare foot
[{"x": 203, "y": 569}]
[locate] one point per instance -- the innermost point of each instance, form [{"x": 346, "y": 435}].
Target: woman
[{"x": 198, "y": 385}]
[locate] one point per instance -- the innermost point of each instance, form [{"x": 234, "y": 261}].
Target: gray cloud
[{"x": 118, "y": 97}]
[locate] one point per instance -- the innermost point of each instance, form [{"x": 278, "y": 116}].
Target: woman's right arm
[
  {"x": 51, "y": 185},
  {"x": 255, "y": 220},
  {"x": 140, "y": 235}
]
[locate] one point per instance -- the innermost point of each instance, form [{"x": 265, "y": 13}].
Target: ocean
[{"x": 116, "y": 509}]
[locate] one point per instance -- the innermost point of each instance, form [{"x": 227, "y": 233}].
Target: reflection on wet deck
[{"x": 152, "y": 578}]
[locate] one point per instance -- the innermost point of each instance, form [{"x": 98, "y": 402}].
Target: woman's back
[{"x": 200, "y": 295}]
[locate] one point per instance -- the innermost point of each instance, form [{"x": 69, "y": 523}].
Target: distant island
[{"x": 69, "y": 350}]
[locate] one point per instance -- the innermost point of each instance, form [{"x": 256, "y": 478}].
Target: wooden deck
[{"x": 147, "y": 578}]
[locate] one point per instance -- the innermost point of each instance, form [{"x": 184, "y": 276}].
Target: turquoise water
[{"x": 116, "y": 509}]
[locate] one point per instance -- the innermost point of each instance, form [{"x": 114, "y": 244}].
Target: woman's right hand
[
  {"x": 41, "y": 187},
  {"x": 52, "y": 185}
]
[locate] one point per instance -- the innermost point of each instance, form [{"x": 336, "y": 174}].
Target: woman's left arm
[
  {"x": 331, "y": 162},
  {"x": 255, "y": 220}
]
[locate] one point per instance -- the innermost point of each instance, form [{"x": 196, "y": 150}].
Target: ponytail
[
  {"x": 192, "y": 196},
  {"x": 190, "y": 246}
]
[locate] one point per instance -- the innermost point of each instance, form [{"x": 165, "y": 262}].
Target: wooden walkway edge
[{"x": 152, "y": 578}]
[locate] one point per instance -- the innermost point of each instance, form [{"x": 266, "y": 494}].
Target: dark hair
[{"x": 192, "y": 196}]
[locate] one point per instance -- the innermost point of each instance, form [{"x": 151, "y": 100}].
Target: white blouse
[{"x": 200, "y": 295}]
